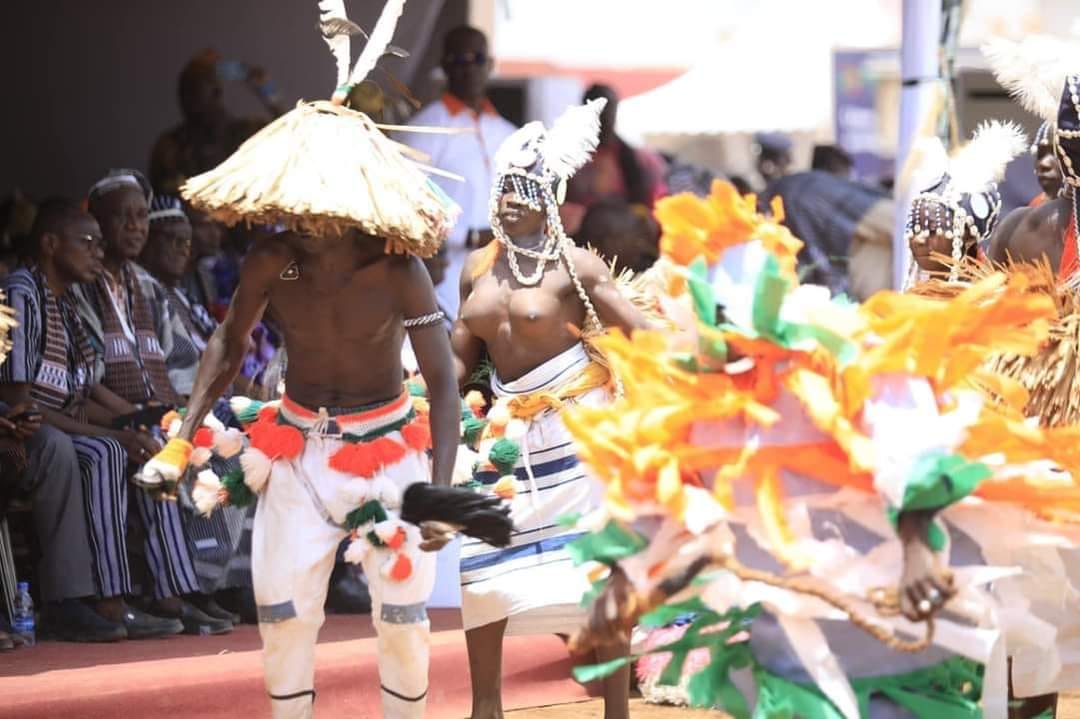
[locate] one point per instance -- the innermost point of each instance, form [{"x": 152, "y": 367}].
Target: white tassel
[
  {"x": 355, "y": 492},
  {"x": 200, "y": 456},
  {"x": 516, "y": 429},
  {"x": 357, "y": 550},
  {"x": 499, "y": 415},
  {"x": 238, "y": 403},
  {"x": 174, "y": 428},
  {"x": 213, "y": 423},
  {"x": 229, "y": 443},
  {"x": 205, "y": 492},
  {"x": 464, "y": 466},
  {"x": 256, "y": 467},
  {"x": 386, "y": 491}
]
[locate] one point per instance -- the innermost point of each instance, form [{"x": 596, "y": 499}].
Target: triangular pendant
[{"x": 291, "y": 272}]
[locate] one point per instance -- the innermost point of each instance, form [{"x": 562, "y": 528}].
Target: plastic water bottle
[{"x": 23, "y": 621}]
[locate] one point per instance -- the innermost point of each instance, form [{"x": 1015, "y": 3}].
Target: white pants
[{"x": 293, "y": 550}]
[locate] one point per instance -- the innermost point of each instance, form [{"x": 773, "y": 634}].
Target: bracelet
[{"x": 432, "y": 318}]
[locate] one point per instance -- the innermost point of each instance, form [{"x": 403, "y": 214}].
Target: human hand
[
  {"x": 610, "y": 617},
  {"x": 139, "y": 445},
  {"x": 436, "y": 535},
  {"x": 22, "y": 421},
  {"x": 925, "y": 585}
]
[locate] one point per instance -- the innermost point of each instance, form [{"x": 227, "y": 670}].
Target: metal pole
[{"x": 919, "y": 74}]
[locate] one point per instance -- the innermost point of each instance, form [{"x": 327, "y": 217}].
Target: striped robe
[{"x": 533, "y": 581}]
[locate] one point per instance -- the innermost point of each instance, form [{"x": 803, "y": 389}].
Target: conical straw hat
[{"x": 325, "y": 169}]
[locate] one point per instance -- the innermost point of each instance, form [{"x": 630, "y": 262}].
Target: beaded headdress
[
  {"x": 964, "y": 201},
  {"x": 536, "y": 163}
]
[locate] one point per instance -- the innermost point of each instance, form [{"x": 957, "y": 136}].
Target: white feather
[
  {"x": 340, "y": 45},
  {"x": 929, "y": 161},
  {"x": 571, "y": 141},
  {"x": 982, "y": 161},
  {"x": 378, "y": 41},
  {"x": 1034, "y": 70},
  {"x": 517, "y": 140}
]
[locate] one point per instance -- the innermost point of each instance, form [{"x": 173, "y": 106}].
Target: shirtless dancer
[
  {"x": 521, "y": 299},
  {"x": 345, "y": 450}
]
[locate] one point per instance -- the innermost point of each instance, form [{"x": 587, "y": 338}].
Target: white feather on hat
[
  {"x": 1033, "y": 70},
  {"x": 982, "y": 161}
]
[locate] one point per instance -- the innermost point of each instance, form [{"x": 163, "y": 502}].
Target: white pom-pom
[
  {"x": 256, "y": 467},
  {"x": 516, "y": 429},
  {"x": 357, "y": 550},
  {"x": 238, "y": 404},
  {"x": 174, "y": 428},
  {"x": 200, "y": 456},
  {"x": 229, "y": 442},
  {"x": 463, "y": 466},
  {"x": 354, "y": 492},
  {"x": 213, "y": 423},
  {"x": 499, "y": 415},
  {"x": 386, "y": 491},
  {"x": 205, "y": 492}
]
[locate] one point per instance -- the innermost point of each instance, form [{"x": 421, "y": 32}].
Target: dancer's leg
[
  {"x": 616, "y": 686},
  {"x": 485, "y": 646}
]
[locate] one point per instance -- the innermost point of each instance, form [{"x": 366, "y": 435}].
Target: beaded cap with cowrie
[
  {"x": 964, "y": 202},
  {"x": 536, "y": 164}
]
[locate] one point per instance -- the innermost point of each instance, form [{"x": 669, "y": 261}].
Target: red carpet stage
[{"x": 219, "y": 677}]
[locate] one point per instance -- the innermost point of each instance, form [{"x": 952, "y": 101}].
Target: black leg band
[
  {"x": 294, "y": 695},
  {"x": 402, "y": 697}
]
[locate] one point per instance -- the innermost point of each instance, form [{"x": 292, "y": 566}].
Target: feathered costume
[
  {"x": 327, "y": 474},
  {"x": 767, "y": 448}
]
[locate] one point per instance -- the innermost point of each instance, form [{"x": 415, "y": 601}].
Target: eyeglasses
[{"x": 462, "y": 59}]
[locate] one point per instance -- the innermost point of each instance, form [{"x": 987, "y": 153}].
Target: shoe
[
  {"x": 5, "y": 642},
  {"x": 241, "y": 601},
  {"x": 71, "y": 620},
  {"x": 348, "y": 594},
  {"x": 198, "y": 622},
  {"x": 209, "y": 606},
  {"x": 141, "y": 625}
]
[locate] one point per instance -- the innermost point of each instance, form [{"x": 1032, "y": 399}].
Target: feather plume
[
  {"x": 379, "y": 40},
  {"x": 928, "y": 162},
  {"x": 1033, "y": 70},
  {"x": 982, "y": 161},
  {"x": 518, "y": 139},
  {"x": 571, "y": 141},
  {"x": 340, "y": 26},
  {"x": 333, "y": 23}
]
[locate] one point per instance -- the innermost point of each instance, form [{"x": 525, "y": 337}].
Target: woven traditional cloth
[{"x": 134, "y": 361}]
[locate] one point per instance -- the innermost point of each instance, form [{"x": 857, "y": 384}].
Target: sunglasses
[{"x": 463, "y": 59}]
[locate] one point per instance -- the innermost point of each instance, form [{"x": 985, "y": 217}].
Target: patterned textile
[
  {"x": 134, "y": 360},
  {"x": 183, "y": 327},
  {"x": 51, "y": 350}
]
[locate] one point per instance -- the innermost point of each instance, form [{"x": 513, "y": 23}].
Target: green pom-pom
[
  {"x": 250, "y": 413},
  {"x": 504, "y": 455},
  {"x": 416, "y": 389},
  {"x": 473, "y": 428},
  {"x": 239, "y": 493},
  {"x": 370, "y": 511}
]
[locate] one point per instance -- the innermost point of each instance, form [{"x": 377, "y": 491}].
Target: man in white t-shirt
[{"x": 467, "y": 65}]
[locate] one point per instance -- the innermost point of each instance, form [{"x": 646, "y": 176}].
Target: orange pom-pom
[
  {"x": 268, "y": 414},
  {"x": 168, "y": 418},
  {"x": 204, "y": 437},
  {"x": 397, "y": 540},
  {"x": 358, "y": 460},
  {"x": 276, "y": 441},
  {"x": 402, "y": 568},
  {"x": 388, "y": 451},
  {"x": 417, "y": 434}
]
